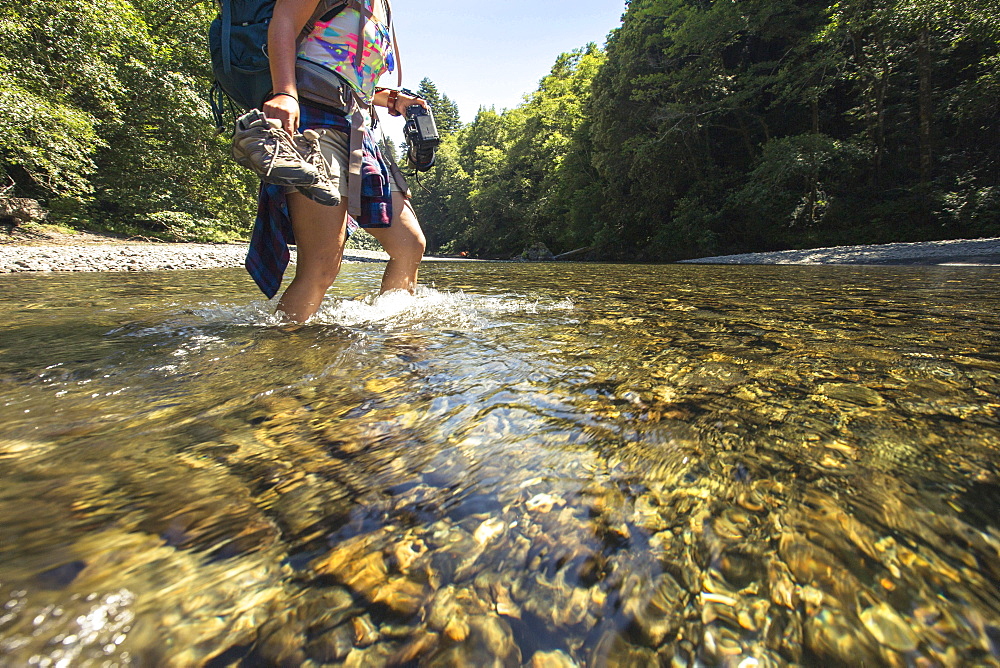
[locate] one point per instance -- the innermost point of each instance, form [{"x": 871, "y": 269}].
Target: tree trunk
[
  {"x": 872, "y": 98},
  {"x": 745, "y": 134},
  {"x": 881, "y": 90},
  {"x": 925, "y": 102}
]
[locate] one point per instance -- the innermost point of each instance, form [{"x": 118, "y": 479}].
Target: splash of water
[
  {"x": 397, "y": 309},
  {"x": 430, "y": 308}
]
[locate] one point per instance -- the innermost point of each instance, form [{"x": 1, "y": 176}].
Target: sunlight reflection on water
[{"x": 530, "y": 464}]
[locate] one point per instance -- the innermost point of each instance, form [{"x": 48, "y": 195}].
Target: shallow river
[{"x": 523, "y": 465}]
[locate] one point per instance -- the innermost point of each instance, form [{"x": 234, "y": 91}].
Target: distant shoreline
[{"x": 954, "y": 252}]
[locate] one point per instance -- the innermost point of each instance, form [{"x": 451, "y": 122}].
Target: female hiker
[{"x": 372, "y": 190}]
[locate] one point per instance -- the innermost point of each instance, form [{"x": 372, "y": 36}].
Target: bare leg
[
  {"x": 404, "y": 242},
  {"x": 320, "y": 234}
]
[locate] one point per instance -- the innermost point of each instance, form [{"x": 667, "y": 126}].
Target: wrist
[
  {"x": 390, "y": 102},
  {"x": 284, "y": 94}
]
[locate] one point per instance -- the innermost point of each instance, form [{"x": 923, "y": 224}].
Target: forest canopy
[{"x": 699, "y": 128}]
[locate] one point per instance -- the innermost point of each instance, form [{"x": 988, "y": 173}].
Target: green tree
[
  {"x": 520, "y": 166},
  {"x": 702, "y": 127},
  {"x": 446, "y": 115},
  {"x": 113, "y": 128},
  {"x": 439, "y": 194},
  {"x": 481, "y": 154},
  {"x": 727, "y": 127}
]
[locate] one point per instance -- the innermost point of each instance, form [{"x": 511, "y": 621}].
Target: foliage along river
[{"x": 541, "y": 465}]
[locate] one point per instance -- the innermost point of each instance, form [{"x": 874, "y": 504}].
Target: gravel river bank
[
  {"x": 138, "y": 257},
  {"x": 55, "y": 251},
  {"x": 89, "y": 252},
  {"x": 969, "y": 252}
]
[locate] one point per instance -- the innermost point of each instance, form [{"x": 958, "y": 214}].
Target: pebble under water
[{"x": 522, "y": 465}]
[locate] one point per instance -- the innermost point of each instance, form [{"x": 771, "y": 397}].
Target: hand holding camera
[{"x": 421, "y": 136}]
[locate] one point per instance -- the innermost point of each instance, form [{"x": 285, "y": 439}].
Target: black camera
[{"x": 421, "y": 136}]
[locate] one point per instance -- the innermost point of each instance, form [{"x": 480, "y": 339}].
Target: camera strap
[
  {"x": 354, "y": 105},
  {"x": 396, "y": 174},
  {"x": 356, "y": 159}
]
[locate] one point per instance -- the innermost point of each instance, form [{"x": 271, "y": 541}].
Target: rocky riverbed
[{"x": 533, "y": 465}]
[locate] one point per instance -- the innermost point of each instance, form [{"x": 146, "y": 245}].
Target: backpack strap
[
  {"x": 364, "y": 15},
  {"x": 395, "y": 44},
  {"x": 355, "y": 160},
  {"x": 356, "y": 157},
  {"x": 227, "y": 28},
  {"x": 325, "y": 10}
]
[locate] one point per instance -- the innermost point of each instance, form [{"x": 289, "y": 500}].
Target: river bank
[
  {"x": 48, "y": 250},
  {"x": 959, "y": 252}
]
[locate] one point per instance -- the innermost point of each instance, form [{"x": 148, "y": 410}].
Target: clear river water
[{"x": 522, "y": 465}]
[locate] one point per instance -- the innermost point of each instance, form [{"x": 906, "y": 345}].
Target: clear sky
[{"x": 482, "y": 53}]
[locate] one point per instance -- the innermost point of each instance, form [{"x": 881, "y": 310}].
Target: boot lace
[
  {"x": 281, "y": 148},
  {"x": 313, "y": 155}
]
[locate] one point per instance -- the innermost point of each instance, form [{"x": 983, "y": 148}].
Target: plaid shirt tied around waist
[{"x": 268, "y": 255}]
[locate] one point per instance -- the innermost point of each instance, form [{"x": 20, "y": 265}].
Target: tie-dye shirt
[{"x": 332, "y": 44}]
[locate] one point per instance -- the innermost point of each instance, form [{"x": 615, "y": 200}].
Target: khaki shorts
[{"x": 335, "y": 147}]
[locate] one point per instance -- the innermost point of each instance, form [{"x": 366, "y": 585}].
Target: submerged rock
[
  {"x": 552, "y": 659},
  {"x": 888, "y": 628},
  {"x": 490, "y": 642}
]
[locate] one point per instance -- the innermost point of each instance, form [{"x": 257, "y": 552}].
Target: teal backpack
[{"x": 237, "y": 41}]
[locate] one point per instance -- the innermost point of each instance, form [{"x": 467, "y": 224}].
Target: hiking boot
[
  {"x": 260, "y": 145},
  {"x": 326, "y": 189}
]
